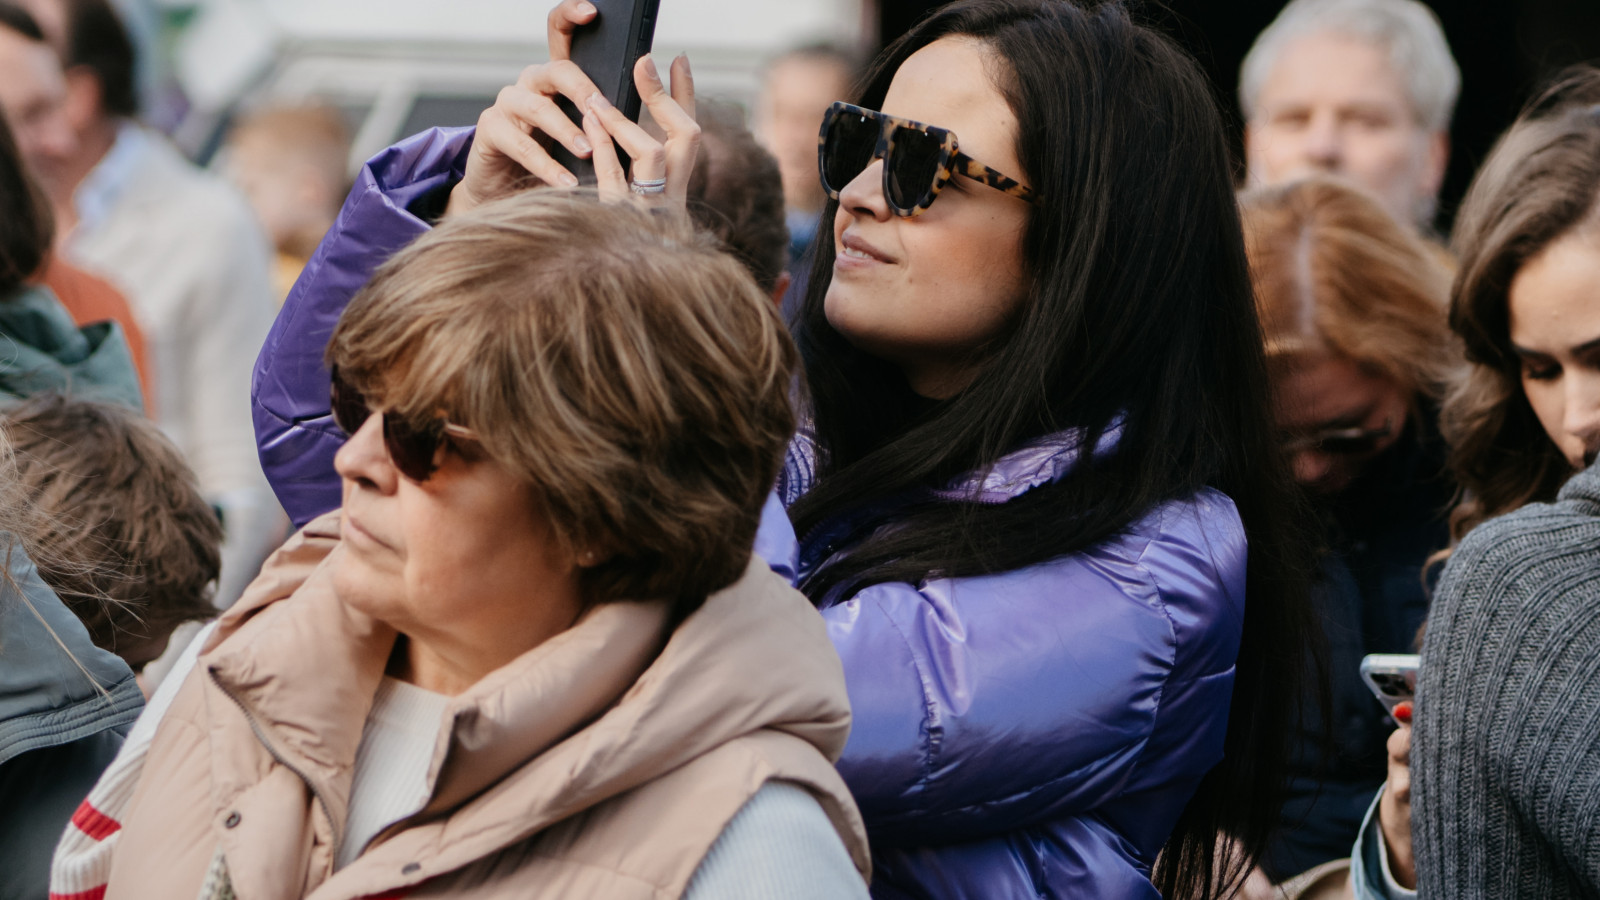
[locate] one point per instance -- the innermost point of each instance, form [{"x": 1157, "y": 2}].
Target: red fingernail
[{"x": 1402, "y": 712}]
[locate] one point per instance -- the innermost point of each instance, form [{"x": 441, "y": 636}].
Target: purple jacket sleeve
[
  {"x": 295, "y": 434},
  {"x": 1093, "y": 689}
]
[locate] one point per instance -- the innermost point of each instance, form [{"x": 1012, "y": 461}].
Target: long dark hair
[
  {"x": 1540, "y": 182},
  {"x": 1140, "y": 309},
  {"x": 28, "y": 227}
]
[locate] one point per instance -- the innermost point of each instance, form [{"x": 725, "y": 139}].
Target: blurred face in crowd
[
  {"x": 464, "y": 564},
  {"x": 33, "y": 94},
  {"x": 1336, "y": 417},
  {"x": 1334, "y": 104},
  {"x": 1555, "y": 329},
  {"x": 289, "y": 193},
  {"x": 797, "y": 92},
  {"x": 927, "y": 292}
]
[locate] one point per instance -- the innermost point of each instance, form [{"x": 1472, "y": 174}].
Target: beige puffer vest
[{"x": 599, "y": 764}]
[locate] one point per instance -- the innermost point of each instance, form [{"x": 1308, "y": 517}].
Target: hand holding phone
[
  {"x": 1392, "y": 677},
  {"x": 514, "y": 134},
  {"x": 607, "y": 48}
]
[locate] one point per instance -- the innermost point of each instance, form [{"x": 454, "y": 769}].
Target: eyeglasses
[
  {"x": 412, "y": 449},
  {"x": 1342, "y": 441},
  {"x": 918, "y": 159}
]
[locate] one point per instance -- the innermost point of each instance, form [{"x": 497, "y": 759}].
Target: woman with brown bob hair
[
  {"x": 1352, "y": 309},
  {"x": 533, "y": 654}
]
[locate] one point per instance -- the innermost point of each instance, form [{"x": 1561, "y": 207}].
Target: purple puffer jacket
[{"x": 1023, "y": 735}]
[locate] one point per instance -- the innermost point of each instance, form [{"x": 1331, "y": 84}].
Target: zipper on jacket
[{"x": 261, "y": 737}]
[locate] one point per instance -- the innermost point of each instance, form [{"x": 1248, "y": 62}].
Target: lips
[
  {"x": 359, "y": 533},
  {"x": 858, "y": 249}
]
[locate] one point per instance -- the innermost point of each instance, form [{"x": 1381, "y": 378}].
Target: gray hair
[{"x": 1409, "y": 31}]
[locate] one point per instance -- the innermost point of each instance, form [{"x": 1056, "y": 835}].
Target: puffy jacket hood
[{"x": 45, "y": 699}]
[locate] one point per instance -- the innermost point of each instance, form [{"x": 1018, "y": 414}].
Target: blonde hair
[
  {"x": 629, "y": 370},
  {"x": 1333, "y": 272}
]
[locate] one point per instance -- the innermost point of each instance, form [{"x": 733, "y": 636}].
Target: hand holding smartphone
[
  {"x": 1392, "y": 677},
  {"x": 607, "y": 48},
  {"x": 531, "y": 122}
]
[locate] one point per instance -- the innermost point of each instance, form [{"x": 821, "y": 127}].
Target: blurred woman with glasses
[
  {"x": 1353, "y": 307},
  {"x": 1039, "y": 498}
]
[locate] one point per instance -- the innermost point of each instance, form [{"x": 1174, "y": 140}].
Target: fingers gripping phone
[
  {"x": 1392, "y": 677},
  {"x": 606, "y": 49}
]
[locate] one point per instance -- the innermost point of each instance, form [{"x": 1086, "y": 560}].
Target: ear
[
  {"x": 84, "y": 106},
  {"x": 781, "y": 287}
]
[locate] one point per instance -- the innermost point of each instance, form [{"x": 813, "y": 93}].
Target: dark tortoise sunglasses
[{"x": 918, "y": 159}]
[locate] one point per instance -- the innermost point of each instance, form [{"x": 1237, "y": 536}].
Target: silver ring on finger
[{"x": 648, "y": 186}]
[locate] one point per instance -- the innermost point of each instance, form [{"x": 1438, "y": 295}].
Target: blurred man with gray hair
[{"x": 1362, "y": 89}]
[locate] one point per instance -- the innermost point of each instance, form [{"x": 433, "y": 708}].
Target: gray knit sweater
[{"x": 1506, "y": 754}]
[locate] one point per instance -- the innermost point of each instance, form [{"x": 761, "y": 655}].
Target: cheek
[
  {"x": 1385, "y": 155},
  {"x": 1549, "y": 405},
  {"x": 971, "y": 281}
]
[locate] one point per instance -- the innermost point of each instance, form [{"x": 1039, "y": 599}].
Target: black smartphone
[{"x": 606, "y": 50}]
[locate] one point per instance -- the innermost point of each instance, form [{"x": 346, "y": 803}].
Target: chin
[{"x": 357, "y": 586}]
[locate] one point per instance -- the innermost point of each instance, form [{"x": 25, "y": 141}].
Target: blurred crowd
[{"x": 1081, "y": 480}]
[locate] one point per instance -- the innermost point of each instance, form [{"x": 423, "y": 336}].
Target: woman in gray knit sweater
[{"x": 1505, "y": 767}]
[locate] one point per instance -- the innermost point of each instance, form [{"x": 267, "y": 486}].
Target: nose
[
  {"x": 864, "y": 194},
  {"x": 1581, "y": 417},
  {"x": 364, "y": 461}
]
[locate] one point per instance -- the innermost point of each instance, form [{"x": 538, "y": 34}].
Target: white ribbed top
[{"x": 391, "y": 777}]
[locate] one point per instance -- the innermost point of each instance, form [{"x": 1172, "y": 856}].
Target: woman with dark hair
[
  {"x": 1039, "y": 443},
  {"x": 1503, "y": 769}
]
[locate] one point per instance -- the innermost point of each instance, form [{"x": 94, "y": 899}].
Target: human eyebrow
[{"x": 1527, "y": 353}]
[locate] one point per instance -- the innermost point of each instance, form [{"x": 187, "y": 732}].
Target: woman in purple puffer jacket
[{"x": 1039, "y": 446}]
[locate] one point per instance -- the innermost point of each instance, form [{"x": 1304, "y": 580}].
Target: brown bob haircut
[
  {"x": 1539, "y": 184},
  {"x": 629, "y": 370},
  {"x": 117, "y": 523},
  {"x": 1334, "y": 273}
]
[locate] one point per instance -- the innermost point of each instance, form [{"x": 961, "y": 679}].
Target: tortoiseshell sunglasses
[{"x": 918, "y": 159}]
